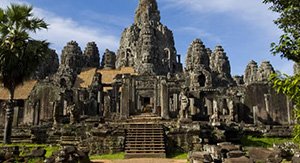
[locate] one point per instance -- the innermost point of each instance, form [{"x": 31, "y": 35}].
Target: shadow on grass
[
  {"x": 253, "y": 143},
  {"x": 265, "y": 142}
]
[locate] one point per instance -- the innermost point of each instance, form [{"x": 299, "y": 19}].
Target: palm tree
[{"x": 19, "y": 53}]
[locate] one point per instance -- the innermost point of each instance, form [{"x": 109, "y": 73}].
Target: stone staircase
[{"x": 145, "y": 141}]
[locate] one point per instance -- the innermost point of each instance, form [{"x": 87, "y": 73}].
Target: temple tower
[{"x": 148, "y": 45}]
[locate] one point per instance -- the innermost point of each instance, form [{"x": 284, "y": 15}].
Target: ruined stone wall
[
  {"x": 270, "y": 107},
  {"x": 41, "y": 102}
]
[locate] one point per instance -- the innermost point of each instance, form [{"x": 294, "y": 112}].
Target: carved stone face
[
  {"x": 146, "y": 57},
  {"x": 196, "y": 53},
  {"x": 107, "y": 59},
  {"x": 147, "y": 49}
]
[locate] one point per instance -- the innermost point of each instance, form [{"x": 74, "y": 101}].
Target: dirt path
[{"x": 140, "y": 160}]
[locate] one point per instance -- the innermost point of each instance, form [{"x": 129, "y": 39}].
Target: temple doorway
[
  {"x": 201, "y": 80},
  {"x": 147, "y": 104}
]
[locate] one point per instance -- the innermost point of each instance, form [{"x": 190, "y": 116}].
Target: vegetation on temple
[
  {"x": 19, "y": 53},
  {"x": 288, "y": 47}
]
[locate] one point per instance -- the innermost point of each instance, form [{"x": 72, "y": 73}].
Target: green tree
[
  {"x": 19, "y": 53},
  {"x": 288, "y": 47}
]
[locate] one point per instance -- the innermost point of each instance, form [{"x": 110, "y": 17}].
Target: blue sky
[{"x": 244, "y": 28}]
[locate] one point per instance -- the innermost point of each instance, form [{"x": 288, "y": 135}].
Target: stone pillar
[
  {"x": 133, "y": 95},
  {"x": 164, "y": 98},
  {"x": 124, "y": 110},
  {"x": 100, "y": 102},
  {"x": 209, "y": 105},
  {"x": 267, "y": 102},
  {"x": 215, "y": 107},
  {"x": 192, "y": 107},
  {"x": 155, "y": 98},
  {"x": 254, "y": 114},
  {"x": 16, "y": 116},
  {"x": 178, "y": 59},
  {"x": 65, "y": 105},
  {"x": 230, "y": 106},
  {"x": 288, "y": 106},
  {"x": 36, "y": 117},
  {"x": 175, "y": 102}
]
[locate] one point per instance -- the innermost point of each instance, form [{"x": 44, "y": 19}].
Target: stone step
[
  {"x": 146, "y": 151},
  {"x": 144, "y": 133},
  {"x": 145, "y": 140},
  {"x": 145, "y": 129},
  {"x": 146, "y": 146},
  {"x": 145, "y": 155},
  {"x": 145, "y": 136}
]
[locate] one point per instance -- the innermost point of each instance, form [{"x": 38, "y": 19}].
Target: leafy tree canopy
[
  {"x": 19, "y": 53},
  {"x": 288, "y": 47}
]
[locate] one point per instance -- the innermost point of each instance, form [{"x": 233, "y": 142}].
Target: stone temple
[{"x": 146, "y": 82}]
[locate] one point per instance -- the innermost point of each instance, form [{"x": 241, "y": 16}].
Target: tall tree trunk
[{"x": 9, "y": 117}]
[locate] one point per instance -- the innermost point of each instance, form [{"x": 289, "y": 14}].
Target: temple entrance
[
  {"x": 201, "y": 80},
  {"x": 147, "y": 104}
]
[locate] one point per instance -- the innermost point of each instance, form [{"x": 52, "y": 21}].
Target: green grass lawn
[
  {"x": 179, "y": 156},
  {"x": 49, "y": 148},
  {"x": 249, "y": 141}
]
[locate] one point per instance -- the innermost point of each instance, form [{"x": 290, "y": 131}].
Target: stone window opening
[{"x": 202, "y": 80}]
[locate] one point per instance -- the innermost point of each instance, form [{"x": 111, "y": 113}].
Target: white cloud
[
  {"x": 112, "y": 20},
  {"x": 197, "y": 32},
  {"x": 62, "y": 30},
  {"x": 253, "y": 12}
]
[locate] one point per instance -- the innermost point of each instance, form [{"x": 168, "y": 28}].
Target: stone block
[
  {"x": 39, "y": 152},
  {"x": 204, "y": 157},
  {"x": 235, "y": 154},
  {"x": 295, "y": 159},
  {"x": 264, "y": 155}
]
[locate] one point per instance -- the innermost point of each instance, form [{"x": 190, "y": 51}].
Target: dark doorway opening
[
  {"x": 146, "y": 104},
  {"x": 201, "y": 80}
]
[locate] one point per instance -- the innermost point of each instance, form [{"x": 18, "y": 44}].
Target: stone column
[
  {"x": 155, "y": 98},
  {"x": 100, "y": 102},
  {"x": 178, "y": 59},
  {"x": 164, "y": 98},
  {"x": 65, "y": 105},
  {"x": 288, "y": 106},
  {"x": 230, "y": 106},
  {"x": 36, "y": 113},
  {"x": 254, "y": 114},
  {"x": 175, "y": 102},
  {"x": 209, "y": 105},
  {"x": 192, "y": 107},
  {"x": 133, "y": 95},
  {"x": 16, "y": 116},
  {"x": 124, "y": 110},
  {"x": 267, "y": 102},
  {"x": 215, "y": 107}
]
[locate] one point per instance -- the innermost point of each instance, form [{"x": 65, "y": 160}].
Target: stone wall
[{"x": 264, "y": 105}]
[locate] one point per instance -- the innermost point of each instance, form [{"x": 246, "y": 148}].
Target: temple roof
[
  {"x": 85, "y": 78},
  {"x": 22, "y": 91},
  {"x": 109, "y": 75}
]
